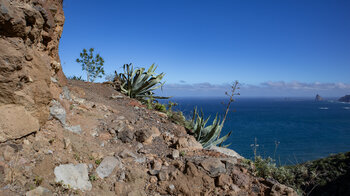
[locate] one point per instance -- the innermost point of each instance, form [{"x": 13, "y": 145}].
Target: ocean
[{"x": 291, "y": 131}]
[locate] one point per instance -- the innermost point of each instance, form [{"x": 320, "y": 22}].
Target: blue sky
[{"x": 275, "y": 48}]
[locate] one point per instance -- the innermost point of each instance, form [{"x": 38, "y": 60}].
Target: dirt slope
[{"x": 125, "y": 150}]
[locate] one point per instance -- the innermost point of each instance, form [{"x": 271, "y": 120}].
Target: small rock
[
  {"x": 58, "y": 112},
  {"x": 49, "y": 152},
  {"x": 76, "y": 176},
  {"x": 139, "y": 146},
  {"x": 240, "y": 179},
  {"x": 126, "y": 136},
  {"x": 121, "y": 176},
  {"x": 157, "y": 164},
  {"x": 153, "y": 172},
  {"x": 213, "y": 166},
  {"x": 39, "y": 191},
  {"x": 94, "y": 133},
  {"x": 127, "y": 153},
  {"x": 54, "y": 80},
  {"x": 74, "y": 129},
  {"x": 146, "y": 135},
  {"x": 140, "y": 160},
  {"x": 90, "y": 166},
  {"x": 116, "y": 97},
  {"x": 105, "y": 136},
  {"x": 175, "y": 154},
  {"x": 230, "y": 163},
  {"x": 163, "y": 175},
  {"x": 171, "y": 187},
  {"x": 224, "y": 181},
  {"x": 66, "y": 93},
  {"x": 234, "y": 188},
  {"x": 188, "y": 143},
  {"x": 26, "y": 142},
  {"x": 9, "y": 153},
  {"x": 120, "y": 118},
  {"x": 107, "y": 166},
  {"x": 66, "y": 142},
  {"x": 153, "y": 179}
]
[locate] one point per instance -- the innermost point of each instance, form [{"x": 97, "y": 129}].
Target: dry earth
[{"x": 125, "y": 149}]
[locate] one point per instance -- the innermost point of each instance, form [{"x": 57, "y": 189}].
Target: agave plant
[
  {"x": 138, "y": 83},
  {"x": 207, "y": 135}
]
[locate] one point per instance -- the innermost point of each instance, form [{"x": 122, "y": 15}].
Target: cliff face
[{"x": 30, "y": 70}]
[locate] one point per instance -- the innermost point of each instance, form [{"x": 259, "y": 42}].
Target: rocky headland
[
  {"x": 318, "y": 98},
  {"x": 346, "y": 98}
]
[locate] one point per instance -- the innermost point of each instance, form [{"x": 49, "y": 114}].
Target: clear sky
[{"x": 281, "y": 47}]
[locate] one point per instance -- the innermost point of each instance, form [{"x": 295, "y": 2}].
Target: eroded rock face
[{"x": 29, "y": 36}]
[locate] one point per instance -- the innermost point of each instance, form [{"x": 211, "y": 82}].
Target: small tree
[{"x": 93, "y": 65}]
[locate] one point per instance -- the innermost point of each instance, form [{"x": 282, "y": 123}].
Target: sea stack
[
  {"x": 318, "y": 98},
  {"x": 346, "y": 98}
]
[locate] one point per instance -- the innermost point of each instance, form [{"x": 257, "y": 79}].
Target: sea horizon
[{"x": 301, "y": 128}]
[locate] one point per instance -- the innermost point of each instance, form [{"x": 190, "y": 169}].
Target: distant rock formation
[
  {"x": 346, "y": 98},
  {"x": 318, "y": 98}
]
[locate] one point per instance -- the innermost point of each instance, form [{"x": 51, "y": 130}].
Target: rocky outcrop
[
  {"x": 29, "y": 63},
  {"x": 318, "y": 98},
  {"x": 346, "y": 98}
]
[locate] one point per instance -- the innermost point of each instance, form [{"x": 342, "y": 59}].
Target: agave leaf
[{"x": 221, "y": 140}]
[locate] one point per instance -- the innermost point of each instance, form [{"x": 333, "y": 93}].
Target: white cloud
[{"x": 269, "y": 88}]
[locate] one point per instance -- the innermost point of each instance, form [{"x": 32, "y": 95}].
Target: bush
[
  {"x": 75, "y": 78},
  {"x": 93, "y": 65}
]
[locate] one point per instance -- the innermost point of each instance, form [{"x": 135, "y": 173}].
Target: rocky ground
[
  {"x": 76, "y": 138},
  {"x": 99, "y": 142}
]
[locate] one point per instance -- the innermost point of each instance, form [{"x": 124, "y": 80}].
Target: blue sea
[{"x": 291, "y": 130}]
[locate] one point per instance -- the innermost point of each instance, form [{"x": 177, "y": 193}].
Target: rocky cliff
[{"x": 30, "y": 69}]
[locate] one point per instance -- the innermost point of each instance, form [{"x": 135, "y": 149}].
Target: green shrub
[
  {"x": 75, "y": 78},
  {"x": 160, "y": 107},
  {"x": 138, "y": 83}
]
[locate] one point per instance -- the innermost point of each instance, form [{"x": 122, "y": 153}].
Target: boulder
[
  {"x": 76, "y": 176},
  {"x": 16, "y": 122},
  {"x": 107, "y": 166},
  {"x": 226, "y": 151}
]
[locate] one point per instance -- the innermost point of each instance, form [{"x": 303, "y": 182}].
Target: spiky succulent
[
  {"x": 138, "y": 83},
  {"x": 207, "y": 135}
]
